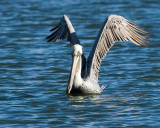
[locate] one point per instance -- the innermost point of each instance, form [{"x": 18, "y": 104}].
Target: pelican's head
[
  {"x": 77, "y": 50},
  {"x": 77, "y": 53}
]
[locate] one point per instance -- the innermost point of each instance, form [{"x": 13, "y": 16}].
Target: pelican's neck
[{"x": 78, "y": 79}]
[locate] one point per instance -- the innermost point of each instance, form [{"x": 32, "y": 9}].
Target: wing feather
[
  {"x": 63, "y": 30},
  {"x": 115, "y": 28}
]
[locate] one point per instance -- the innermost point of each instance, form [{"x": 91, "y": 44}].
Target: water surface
[{"x": 34, "y": 73}]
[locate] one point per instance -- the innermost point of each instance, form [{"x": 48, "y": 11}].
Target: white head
[{"x": 77, "y": 50}]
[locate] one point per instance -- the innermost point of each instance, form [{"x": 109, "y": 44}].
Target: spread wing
[
  {"x": 63, "y": 30},
  {"x": 115, "y": 28}
]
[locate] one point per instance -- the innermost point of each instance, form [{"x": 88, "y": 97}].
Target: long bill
[{"x": 73, "y": 70}]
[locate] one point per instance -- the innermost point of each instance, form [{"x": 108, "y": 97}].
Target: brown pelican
[{"x": 84, "y": 74}]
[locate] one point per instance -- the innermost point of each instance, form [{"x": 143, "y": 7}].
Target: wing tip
[
  {"x": 145, "y": 45},
  {"x": 64, "y": 15},
  {"x": 48, "y": 39}
]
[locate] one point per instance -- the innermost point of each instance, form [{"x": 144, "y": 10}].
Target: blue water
[{"x": 34, "y": 74}]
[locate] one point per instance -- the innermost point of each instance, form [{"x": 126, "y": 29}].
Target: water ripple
[{"x": 34, "y": 74}]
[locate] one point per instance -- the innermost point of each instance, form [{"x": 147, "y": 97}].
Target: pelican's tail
[{"x": 102, "y": 87}]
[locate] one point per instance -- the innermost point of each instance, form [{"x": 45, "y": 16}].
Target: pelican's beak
[{"x": 73, "y": 70}]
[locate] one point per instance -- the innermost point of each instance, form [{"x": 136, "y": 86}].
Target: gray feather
[{"x": 115, "y": 28}]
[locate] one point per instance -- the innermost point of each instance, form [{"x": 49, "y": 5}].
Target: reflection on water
[
  {"x": 86, "y": 98},
  {"x": 34, "y": 73}
]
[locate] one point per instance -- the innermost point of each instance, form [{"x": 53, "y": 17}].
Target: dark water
[{"x": 34, "y": 74}]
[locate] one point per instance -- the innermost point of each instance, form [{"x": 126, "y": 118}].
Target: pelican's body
[
  {"x": 84, "y": 74},
  {"x": 85, "y": 86},
  {"x": 77, "y": 84}
]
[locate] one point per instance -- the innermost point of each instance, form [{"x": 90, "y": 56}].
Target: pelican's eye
[{"x": 78, "y": 54}]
